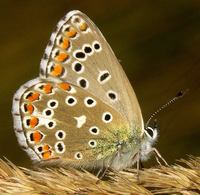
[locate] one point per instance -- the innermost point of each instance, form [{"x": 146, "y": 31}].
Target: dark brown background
[{"x": 159, "y": 45}]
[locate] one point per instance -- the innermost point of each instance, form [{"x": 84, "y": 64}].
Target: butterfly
[{"x": 81, "y": 111}]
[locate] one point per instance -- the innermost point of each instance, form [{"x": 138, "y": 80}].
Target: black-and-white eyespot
[
  {"x": 50, "y": 124},
  {"x": 112, "y": 95},
  {"x": 76, "y": 19},
  {"x": 82, "y": 82},
  {"x": 92, "y": 143},
  {"x": 70, "y": 100},
  {"x": 90, "y": 102},
  {"x": 88, "y": 49},
  {"x": 52, "y": 104},
  {"x": 94, "y": 130},
  {"x": 78, "y": 155},
  {"x": 80, "y": 55},
  {"x": 60, "y": 135},
  {"x": 59, "y": 147},
  {"x": 107, "y": 117},
  {"x": 78, "y": 67},
  {"x": 103, "y": 77},
  {"x": 48, "y": 112},
  {"x": 96, "y": 45}
]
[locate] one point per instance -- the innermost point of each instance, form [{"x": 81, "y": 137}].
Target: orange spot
[
  {"x": 33, "y": 122},
  {"x": 46, "y": 147},
  {"x": 29, "y": 108},
  {"x": 33, "y": 96},
  {"x": 46, "y": 154},
  {"x": 65, "y": 44},
  {"x": 47, "y": 88},
  {"x": 37, "y": 136},
  {"x": 57, "y": 70},
  {"x": 65, "y": 86},
  {"x": 61, "y": 57},
  {"x": 71, "y": 32},
  {"x": 83, "y": 26}
]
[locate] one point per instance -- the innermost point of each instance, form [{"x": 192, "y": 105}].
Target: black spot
[
  {"x": 50, "y": 124},
  {"x": 25, "y": 108},
  {"x": 40, "y": 149},
  {"x": 48, "y": 112},
  {"x": 88, "y": 49},
  {"x": 28, "y": 122},
  {"x": 90, "y": 101},
  {"x": 112, "y": 95},
  {"x": 104, "y": 76},
  {"x": 92, "y": 143},
  {"x": 52, "y": 104},
  {"x": 77, "y": 20},
  {"x": 83, "y": 83},
  {"x": 71, "y": 100},
  {"x": 60, "y": 147},
  {"x": 150, "y": 132},
  {"x": 94, "y": 130},
  {"x": 31, "y": 137},
  {"x": 96, "y": 46},
  {"x": 41, "y": 71},
  {"x": 107, "y": 117},
  {"x": 80, "y": 55},
  {"x": 29, "y": 95},
  {"x": 78, "y": 155},
  {"x": 67, "y": 29},
  {"x": 77, "y": 67},
  {"x": 60, "y": 134}
]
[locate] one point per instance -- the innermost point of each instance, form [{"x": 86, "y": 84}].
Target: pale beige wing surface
[
  {"x": 57, "y": 120},
  {"x": 78, "y": 53}
]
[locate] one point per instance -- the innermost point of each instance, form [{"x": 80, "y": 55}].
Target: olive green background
[{"x": 157, "y": 41}]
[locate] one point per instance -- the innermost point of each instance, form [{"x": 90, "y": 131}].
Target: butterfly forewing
[
  {"x": 79, "y": 54},
  {"x": 58, "y": 120}
]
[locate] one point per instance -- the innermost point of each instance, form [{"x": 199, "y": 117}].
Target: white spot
[
  {"x": 82, "y": 82},
  {"x": 50, "y": 124},
  {"x": 94, "y": 130},
  {"x": 90, "y": 102},
  {"x": 70, "y": 100},
  {"x": 112, "y": 95},
  {"x": 78, "y": 67},
  {"x": 60, "y": 135},
  {"x": 52, "y": 103},
  {"x": 97, "y": 46},
  {"x": 92, "y": 143},
  {"x": 107, "y": 117},
  {"x": 80, "y": 55},
  {"x": 81, "y": 120},
  {"x": 72, "y": 90},
  {"x": 59, "y": 147},
  {"x": 78, "y": 155},
  {"x": 88, "y": 50},
  {"x": 48, "y": 112},
  {"x": 55, "y": 52},
  {"x": 103, "y": 76}
]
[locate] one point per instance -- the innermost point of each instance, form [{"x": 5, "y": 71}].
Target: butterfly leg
[{"x": 158, "y": 155}]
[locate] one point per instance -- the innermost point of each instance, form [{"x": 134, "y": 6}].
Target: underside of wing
[
  {"x": 79, "y": 54},
  {"x": 57, "y": 120}
]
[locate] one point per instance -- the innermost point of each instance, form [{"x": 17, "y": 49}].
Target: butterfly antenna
[{"x": 179, "y": 95}]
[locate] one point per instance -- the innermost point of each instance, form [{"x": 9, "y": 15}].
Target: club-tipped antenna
[{"x": 179, "y": 95}]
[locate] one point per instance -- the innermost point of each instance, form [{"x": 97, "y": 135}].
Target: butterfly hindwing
[
  {"x": 58, "y": 120},
  {"x": 78, "y": 53}
]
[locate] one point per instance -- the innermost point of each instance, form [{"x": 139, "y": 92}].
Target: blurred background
[{"x": 158, "y": 43}]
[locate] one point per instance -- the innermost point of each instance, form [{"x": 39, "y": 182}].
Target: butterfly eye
[
  {"x": 48, "y": 112},
  {"x": 90, "y": 102},
  {"x": 92, "y": 143},
  {"x": 151, "y": 133},
  {"x": 70, "y": 101},
  {"x": 107, "y": 117},
  {"x": 78, "y": 155},
  {"x": 60, "y": 147},
  {"x": 52, "y": 104},
  {"x": 60, "y": 134},
  {"x": 77, "y": 67}
]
